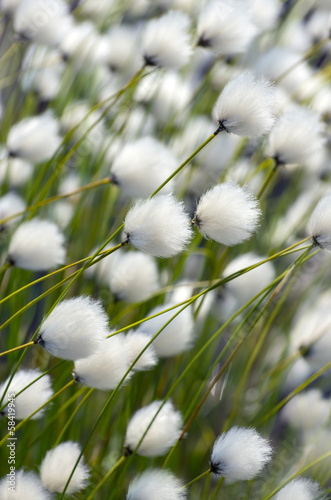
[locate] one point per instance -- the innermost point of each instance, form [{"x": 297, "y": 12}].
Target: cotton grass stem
[
  {"x": 104, "y": 479},
  {"x": 4, "y": 353},
  {"x": 204, "y": 474}
]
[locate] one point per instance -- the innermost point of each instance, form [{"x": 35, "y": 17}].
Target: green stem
[
  {"x": 104, "y": 479},
  {"x": 17, "y": 348},
  {"x": 204, "y": 474}
]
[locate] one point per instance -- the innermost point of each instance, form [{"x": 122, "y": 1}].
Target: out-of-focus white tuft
[
  {"x": 136, "y": 342},
  {"x": 142, "y": 166},
  {"x": 15, "y": 171},
  {"x": 37, "y": 245},
  {"x": 176, "y": 337},
  {"x": 162, "y": 434},
  {"x": 31, "y": 398},
  {"x": 171, "y": 99},
  {"x": 27, "y": 487},
  {"x": 83, "y": 44},
  {"x": 35, "y": 138},
  {"x": 227, "y": 213},
  {"x": 226, "y": 26},
  {"x": 265, "y": 14},
  {"x": 10, "y": 204},
  {"x": 240, "y": 454},
  {"x": 246, "y": 106},
  {"x": 74, "y": 329},
  {"x": 101, "y": 269},
  {"x": 57, "y": 466},
  {"x": 10, "y": 6},
  {"x": 166, "y": 41},
  {"x": 106, "y": 367},
  {"x": 154, "y": 483},
  {"x": 307, "y": 411},
  {"x": 122, "y": 53},
  {"x": 300, "y": 488},
  {"x": 319, "y": 225},
  {"x": 158, "y": 226}
]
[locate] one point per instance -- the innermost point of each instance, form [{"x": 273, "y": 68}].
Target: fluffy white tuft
[
  {"x": 10, "y": 204},
  {"x": 227, "y": 213},
  {"x": 136, "y": 342},
  {"x": 57, "y": 466},
  {"x": 162, "y": 434},
  {"x": 106, "y": 367},
  {"x": 240, "y": 454},
  {"x": 154, "y": 483},
  {"x": 176, "y": 337},
  {"x": 307, "y": 411},
  {"x": 166, "y": 41},
  {"x": 37, "y": 245},
  {"x": 319, "y": 225},
  {"x": 27, "y": 487},
  {"x": 246, "y": 106},
  {"x": 140, "y": 167},
  {"x": 31, "y": 398},
  {"x": 15, "y": 171},
  {"x": 74, "y": 329},
  {"x": 226, "y": 26},
  {"x": 158, "y": 226},
  {"x": 300, "y": 488},
  {"x": 35, "y": 138}
]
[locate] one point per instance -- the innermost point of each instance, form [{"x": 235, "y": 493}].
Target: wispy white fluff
[
  {"x": 176, "y": 337},
  {"x": 156, "y": 483},
  {"x": 265, "y": 14},
  {"x": 136, "y": 342},
  {"x": 31, "y": 398},
  {"x": 122, "y": 47},
  {"x": 166, "y": 41},
  {"x": 74, "y": 329},
  {"x": 15, "y": 171},
  {"x": 158, "y": 226},
  {"x": 162, "y": 434},
  {"x": 106, "y": 367},
  {"x": 319, "y": 225},
  {"x": 171, "y": 100},
  {"x": 27, "y": 487},
  {"x": 300, "y": 488},
  {"x": 227, "y": 213},
  {"x": 57, "y": 466},
  {"x": 140, "y": 167},
  {"x": 307, "y": 411},
  {"x": 35, "y": 138},
  {"x": 10, "y": 204},
  {"x": 240, "y": 454},
  {"x": 226, "y": 26},
  {"x": 37, "y": 245},
  {"x": 297, "y": 136},
  {"x": 246, "y": 105},
  {"x": 82, "y": 44}
]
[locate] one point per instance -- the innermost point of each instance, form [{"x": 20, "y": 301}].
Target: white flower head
[
  {"x": 240, "y": 454},
  {"x": 57, "y": 466},
  {"x": 307, "y": 411},
  {"x": 122, "y": 47},
  {"x": 37, "y": 245},
  {"x": 136, "y": 342},
  {"x": 300, "y": 488},
  {"x": 105, "y": 368},
  {"x": 35, "y": 138},
  {"x": 27, "y": 486},
  {"x": 10, "y": 204},
  {"x": 15, "y": 171},
  {"x": 166, "y": 41},
  {"x": 319, "y": 225},
  {"x": 31, "y": 398},
  {"x": 161, "y": 435},
  {"x": 156, "y": 483},
  {"x": 74, "y": 329},
  {"x": 226, "y": 26},
  {"x": 227, "y": 213},
  {"x": 158, "y": 226},
  {"x": 176, "y": 337},
  {"x": 140, "y": 167},
  {"x": 246, "y": 106}
]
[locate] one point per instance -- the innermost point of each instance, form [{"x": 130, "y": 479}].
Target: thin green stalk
[
  {"x": 104, "y": 479},
  {"x": 217, "y": 488},
  {"x": 204, "y": 474},
  {"x": 267, "y": 181},
  {"x": 17, "y": 348}
]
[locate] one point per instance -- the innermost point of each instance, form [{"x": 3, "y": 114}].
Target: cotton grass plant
[{"x": 165, "y": 238}]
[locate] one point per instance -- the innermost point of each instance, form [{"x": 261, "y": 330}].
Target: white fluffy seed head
[
  {"x": 227, "y": 213},
  {"x": 246, "y": 106},
  {"x": 226, "y": 26},
  {"x": 307, "y": 411},
  {"x": 37, "y": 245},
  {"x": 240, "y": 454},
  {"x": 156, "y": 483},
  {"x": 140, "y": 167},
  {"x": 166, "y": 41},
  {"x": 297, "y": 137},
  {"x": 134, "y": 278},
  {"x": 27, "y": 487},
  {"x": 10, "y": 204},
  {"x": 31, "y": 398},
  {"x": 158, "y": 226},
  {"x": 300, "y": 488},
  {"x": 35, "y": 138},
  {"x": 106, "y": 367},
  {"x": 74, "y": 329},
  {"x": 57, "y": 466},
  {"x": 176, "y": 337},
  {"x": 136, "y": 342},
  {"x": 162, "y": 434},
  {"x": 15, "y": 171},
  {"x": 319, "y": 225}
]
